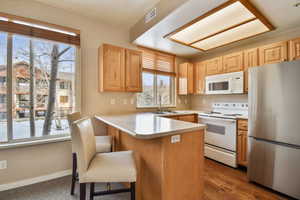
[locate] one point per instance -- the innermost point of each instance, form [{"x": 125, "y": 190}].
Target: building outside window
[
  {"x": 158, "y": 90},
  {"x": 64, "y": 99},
  {"x": 25, "y": 89}
]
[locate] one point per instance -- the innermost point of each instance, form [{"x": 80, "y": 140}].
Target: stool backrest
[
  {"x": 72, "y": 117},
  {"x": 85, "y": 143}
]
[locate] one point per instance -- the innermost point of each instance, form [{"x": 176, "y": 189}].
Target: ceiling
[
  {"x": 124, "y": 13},
  {"x": 281, "y": 13}
]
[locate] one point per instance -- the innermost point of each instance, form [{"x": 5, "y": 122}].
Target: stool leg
[
  {"x": 132, "y": 191},
  {"x": 82, "y": 191},
  {"x": 74, "y": 169},
  {"x": 92, "y": 191}
]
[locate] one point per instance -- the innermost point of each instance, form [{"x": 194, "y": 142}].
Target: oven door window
[
  {"x": 216, "y": 129},
  {"x": 219, "y": 86}
]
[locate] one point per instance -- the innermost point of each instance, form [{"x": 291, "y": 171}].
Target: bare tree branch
[{"x": 63, "y": 51}]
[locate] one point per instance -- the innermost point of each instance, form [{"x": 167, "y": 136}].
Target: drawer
[
  {"x": 242, "y": 133},
  {"x": 243, "y": 124}
]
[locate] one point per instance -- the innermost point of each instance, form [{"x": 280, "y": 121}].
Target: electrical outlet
[
  {"x": 175, "y": 139},
  {"x": 3, "y": 164},
  {"x": 112, "y": 101}
]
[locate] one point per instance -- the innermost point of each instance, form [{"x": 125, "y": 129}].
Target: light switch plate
[
  {"x": 3, "y": 164},
  {"x": 175, "y": 139}
]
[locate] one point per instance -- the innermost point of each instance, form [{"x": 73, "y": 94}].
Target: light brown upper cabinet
[
  {"x": 273, "y": 53},
  {"x": 250, "y": 60},
  {"x": 199, "y": 77},
  {"x": 214, "y": 66},
  {"x": 233, "y": 62},
  {"x": 186, "y": 79},
  {"x": 119, "y": 69},
  {"x": 133, "y": 71},
  {"x": 294, "y": 50}
]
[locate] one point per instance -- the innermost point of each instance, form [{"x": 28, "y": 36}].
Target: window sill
[
  {"x": 157, "y": 107},
  {"x": 35, "y": 142}
]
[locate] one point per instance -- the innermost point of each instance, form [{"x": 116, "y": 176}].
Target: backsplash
[{"x": 204, "y": 102}]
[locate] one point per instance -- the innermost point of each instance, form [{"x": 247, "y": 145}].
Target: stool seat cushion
[
  {"x": 111, "y": 167},
  {"x": 103, "y": 144}
]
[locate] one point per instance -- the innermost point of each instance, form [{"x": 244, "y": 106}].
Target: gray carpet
[{"x": 58, "y": 189}]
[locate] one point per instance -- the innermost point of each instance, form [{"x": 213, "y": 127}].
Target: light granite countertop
[{"x": 150, "y": 125}]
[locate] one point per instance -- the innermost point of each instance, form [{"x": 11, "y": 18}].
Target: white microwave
[{"x": 231, "y": 83}]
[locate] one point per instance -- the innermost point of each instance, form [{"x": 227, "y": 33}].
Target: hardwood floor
[{"x": 225, "y": 183}]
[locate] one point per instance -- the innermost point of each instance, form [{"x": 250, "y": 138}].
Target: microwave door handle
[{"x": 230, "y": 85}]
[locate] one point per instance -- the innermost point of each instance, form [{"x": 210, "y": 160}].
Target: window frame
[
  {"x": 10, "y": 97},
  {"x": 155, "y": 88}
]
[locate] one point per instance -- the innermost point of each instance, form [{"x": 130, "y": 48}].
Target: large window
[
  {"x": 158, "y": 80},
  {"x": 37, "y": 87},
  {"x": 158, "y": 91},
  {"x": 3, "y": 88}
]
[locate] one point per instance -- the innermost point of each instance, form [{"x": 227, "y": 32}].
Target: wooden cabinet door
[
  {"x": 182, "y": 79},
  {"x": 294, "y": 51},
  {"x": 242, "y": 148},
  {"x": 190, "y": 77},
  {"x": 250, "y": 60},
  {"x": 233, "y": 62},
  {"x": 273, "y": 53},
  {"x": 133, "y": 76},
  {"x": 243, "y": 124},
  {"x": 187, "y": 118},
  {"x": 112, "y": 68},
  {"x": 199, "y": 78},
  {"x": 185, "y": 79},
  {"x": 214, "y": 66}
]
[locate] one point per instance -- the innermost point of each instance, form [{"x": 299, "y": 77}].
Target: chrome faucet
[{"x": 159, "y": 99}]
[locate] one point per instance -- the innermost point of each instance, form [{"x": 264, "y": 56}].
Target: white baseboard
[{"x": 31, "y": 181}]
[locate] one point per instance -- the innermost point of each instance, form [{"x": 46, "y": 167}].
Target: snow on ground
[{"x": 21, "y": 129}]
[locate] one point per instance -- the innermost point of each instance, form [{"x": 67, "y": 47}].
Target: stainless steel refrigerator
[{"x": 274, "y": 127}]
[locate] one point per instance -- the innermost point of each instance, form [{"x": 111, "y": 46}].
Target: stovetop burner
[{"x": 227, "y": 110}]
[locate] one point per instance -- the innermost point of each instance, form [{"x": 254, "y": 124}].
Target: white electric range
[{"x": 221, "y": 133}]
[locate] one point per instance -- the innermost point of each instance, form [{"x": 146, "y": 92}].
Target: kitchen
[{"x": 215, "y": 80}]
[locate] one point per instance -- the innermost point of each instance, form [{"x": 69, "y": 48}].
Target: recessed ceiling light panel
[
  {"x": 232, "y": 35},
  {"x": 232, "y": 21}
]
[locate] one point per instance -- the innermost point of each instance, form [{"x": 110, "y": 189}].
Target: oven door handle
[{"x": 220, "y": 119}]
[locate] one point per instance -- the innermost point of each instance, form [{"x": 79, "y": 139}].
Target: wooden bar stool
[
  {"x": 103, "y": 145},
  {"x": 96, "y": 167}
]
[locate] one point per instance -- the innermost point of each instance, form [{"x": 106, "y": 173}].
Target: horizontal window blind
[
  {"x": 158, "y": 62},
  {"x": 33, "y": 28}
]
